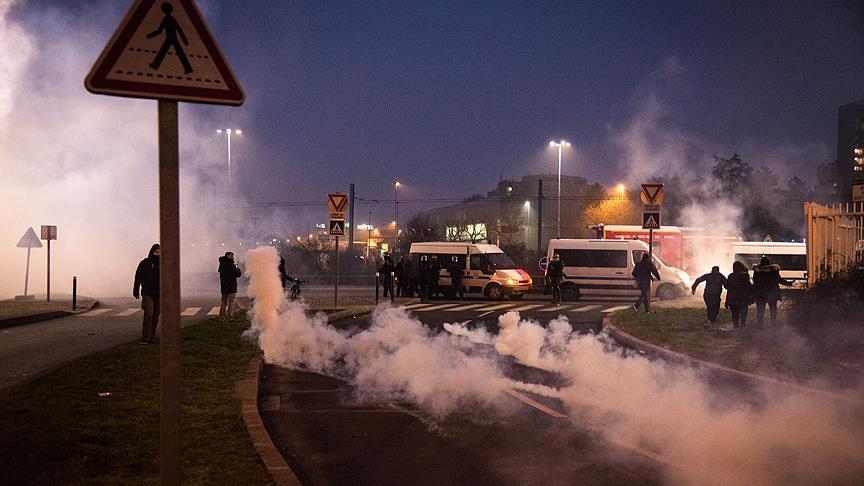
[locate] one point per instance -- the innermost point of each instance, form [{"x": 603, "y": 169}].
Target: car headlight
[{"x": 511, "y": 281}]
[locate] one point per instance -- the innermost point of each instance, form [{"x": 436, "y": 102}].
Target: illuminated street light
[
  {"x": 621, "y": 188},
  {"x": 395, "y": 215},
  {"x": 229, "y": 132},
  {"x": 560, "y": 144}
]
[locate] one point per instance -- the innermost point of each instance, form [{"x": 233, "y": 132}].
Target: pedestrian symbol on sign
[
  {"x": 337, "y": 228},
  {"x": 171, "y": 29}
]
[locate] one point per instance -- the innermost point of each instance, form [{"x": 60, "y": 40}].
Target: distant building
[
  {"x": 850, "y": 134},
  {"x": 508, "y": 214}
]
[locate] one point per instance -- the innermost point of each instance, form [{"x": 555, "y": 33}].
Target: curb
[
  {"x": 633, "y": 342},
  {"x": 45, "y": 316},
  {"x": 247, "y": 391}
]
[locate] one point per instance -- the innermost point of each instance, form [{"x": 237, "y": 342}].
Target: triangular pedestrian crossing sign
[
  {"x": 29, "y": 240},
  {"x": 337, "y": 228},
  {"x": 163, "y": 49}
]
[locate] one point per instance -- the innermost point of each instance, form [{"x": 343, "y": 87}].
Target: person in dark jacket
[
  {"x": 425, "y": 276},
  {"x": 642, "y": 272},
  {"x": 457, "y": 271},
  {"x": 715, "y": 282},
  {"x": 229, "y": 272},
  {"x": 434, "y": 276},
  {"x": 385, "y": 270},
  {"x": 766, "y": 289},
  {"x": 147, "y": 280},
  {"x": 555, "y": 274},
  {"x": 399, "y": 270},
  {"x": 739, "y": 294}
]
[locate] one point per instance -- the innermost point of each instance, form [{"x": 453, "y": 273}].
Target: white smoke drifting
[
  {"x": 88, "y": 163},
  {"x": 666, "y": 411}
]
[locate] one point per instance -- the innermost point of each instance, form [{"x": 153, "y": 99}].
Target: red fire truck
[{"x": 693, "y": 250}]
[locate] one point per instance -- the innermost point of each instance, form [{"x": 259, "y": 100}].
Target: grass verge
[
  {"x": 58, "y": 430},
  {"x": 776, "y": 351}
]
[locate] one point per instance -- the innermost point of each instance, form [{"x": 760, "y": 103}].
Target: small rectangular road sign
[
  {"x": 337, "y": 228},
  {"x": 650, "y": 219}
]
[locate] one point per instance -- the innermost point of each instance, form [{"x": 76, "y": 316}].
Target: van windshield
[
  {"x": 637, "y": 255},
  {"x": 501, "y": 261}
]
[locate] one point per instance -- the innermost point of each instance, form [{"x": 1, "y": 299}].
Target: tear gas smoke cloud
[
  {"x": 668, "y": 410},
  {"x": 87, "y": 163}
]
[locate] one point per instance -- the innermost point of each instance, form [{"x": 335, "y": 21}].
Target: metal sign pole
[
  {"x": 650, "y": 257},
  {"x": 48, "y": 291},
  {"x": 27, "y": 273},
  {"x": 336, "y": 277},
  {"x": 170, "y": 452}
]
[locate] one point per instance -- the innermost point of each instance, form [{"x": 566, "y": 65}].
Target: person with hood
[
  {"x": 715, "y": 282},
  {"x": 457, "y": 270},
  {"x": 555, "y": 274},
  {"x": 434, "y": 276},
  {"x": 642, "y": 272},
  {"x": 766, "y": 289},
  {"x": 146, "y": 286},
  {"x": 386, "y": 269},
  {"x": 739, "y": 294},
  {"x": 228, "y": 274}
]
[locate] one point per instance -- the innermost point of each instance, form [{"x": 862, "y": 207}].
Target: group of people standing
[
  {"x": 421, "y": 276},
  {"x": 741, "y": 292}
]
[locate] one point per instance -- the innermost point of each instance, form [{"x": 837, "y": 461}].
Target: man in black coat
[
  {"x": 386, "y": 269},
  {"x": 642, "y": 272},
  {"x": 555, "y": 274},
  {"x": 147, "y": 280},
  {"x": 228, "y": 274},
  {"x": 715, "y": 282},
  {"x": 457, "y": 270},
  {"x": 766, "y": 289},
  {"x": 434, "y": 276},
  {"x": 739, "y": 294}
]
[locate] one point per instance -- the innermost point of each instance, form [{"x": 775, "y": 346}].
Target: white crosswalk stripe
[
  {"x": 213, "y": 312},
  {"x": 495, "y": 307},
  {"x": 526, "y": 307},
  {"x": 93, "y": 313},
  {"x": 128, "y": 312},
  {"x": 616, "y": 308},
  {"x": 435, "y": 307},
  {"x": 191, "y": 311},
  {"x": 554, "y": 308},
  {"x": 586, "y": 308},
  {"x": 466, "y": 307},
  {"x": 414, "y": 306}
]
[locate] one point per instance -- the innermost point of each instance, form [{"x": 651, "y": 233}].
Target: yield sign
[
  {"x": 29, "y": 240},
  {"x": 652, "y": 194},
  {"x": 337, "y": 202},
  {"x": 164, "y": 50}
]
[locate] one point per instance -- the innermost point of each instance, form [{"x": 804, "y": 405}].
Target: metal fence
[{"x": 835, "y": 238}]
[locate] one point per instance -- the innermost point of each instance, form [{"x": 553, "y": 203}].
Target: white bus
[
  {"x": 488, "y": 269},
  {"x": 792, "y": 257}
]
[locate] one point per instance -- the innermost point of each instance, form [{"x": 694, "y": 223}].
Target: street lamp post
[
  {"x": 229, "y": 131},
  {"x": 560, "y": 145},
  {"x": 395, "y": 216}
]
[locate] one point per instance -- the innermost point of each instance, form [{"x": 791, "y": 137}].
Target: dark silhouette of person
[
  {"x": 715, "y": 282},
  {"x": 172, "y": 29},
  {"x": 642, "y": 272}
]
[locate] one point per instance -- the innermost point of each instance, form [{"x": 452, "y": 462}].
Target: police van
[
  {"x": 487, "y": 269},
  {"x": 605, "y": 267},
  {"x": 792, "y": 257}
]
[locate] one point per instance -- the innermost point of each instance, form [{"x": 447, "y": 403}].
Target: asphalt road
[
  {"x": 328, "y": 438},
  {"x": 32, "y": 349}
]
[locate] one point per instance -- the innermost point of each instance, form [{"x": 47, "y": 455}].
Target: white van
[
  {"x": 487, "y": 269},
  {"x": 605, "y": 267},
  {"x": 792, "y": 257}
]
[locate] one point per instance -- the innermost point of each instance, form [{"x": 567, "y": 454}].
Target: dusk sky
[{"x": 449, "y": 96}]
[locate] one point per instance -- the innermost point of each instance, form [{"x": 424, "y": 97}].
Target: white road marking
[
  {"x": 434, "y": 307},
  {"x": 586, "y": 308},
  {"x": 617, "y": 308},
  {"x": 94, "y": 313},
  {"x": 190, "y": 311},
  {"x": 526, "y": 307},
  {"x": 414, "y": 306},
  {"x": 495, "y": 307},
  {"x": 465, "y": 307},
  {"x": 128, "y": 312},
  {"x": 553, "y": 308},
  {"x": 213, "y": 312},
  {"x": 533, "y": 403}
]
